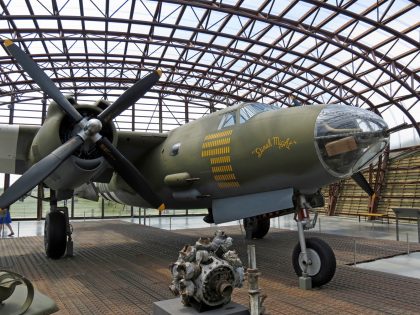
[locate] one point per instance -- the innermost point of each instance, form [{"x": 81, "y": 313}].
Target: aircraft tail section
[{"x": 15, "y": 143}]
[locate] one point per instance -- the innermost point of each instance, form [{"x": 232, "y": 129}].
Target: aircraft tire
[
  {"x": 258, "y": 228},
  {"x": 55, "y": 238},
  {"x": 323, "y": 259}
]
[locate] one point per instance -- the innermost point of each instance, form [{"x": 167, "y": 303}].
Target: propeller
[
  {"x": 363, "y": 183},
  {"x": 39, "y": 171},
  {"x": 90, "y": 132},
  {"x": 42, "y": 80}
]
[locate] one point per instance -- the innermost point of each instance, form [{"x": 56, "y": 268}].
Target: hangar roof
[{"x": 214, "y": 54}]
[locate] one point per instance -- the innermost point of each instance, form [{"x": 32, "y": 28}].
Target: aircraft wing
[
  {"x": 16, "y": 145},
  {"x": 134, "y": 145}
]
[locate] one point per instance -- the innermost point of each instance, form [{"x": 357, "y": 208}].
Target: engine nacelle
[{"x": 85, "y": 163}]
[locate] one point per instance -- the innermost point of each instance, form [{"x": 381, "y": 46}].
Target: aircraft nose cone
[{"x": 348, "y": 138}]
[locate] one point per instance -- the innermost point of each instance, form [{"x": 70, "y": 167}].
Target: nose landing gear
[{"x": 313, "y": 259}]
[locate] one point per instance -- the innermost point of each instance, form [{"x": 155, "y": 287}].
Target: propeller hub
[{"x": 92, "y": 127}]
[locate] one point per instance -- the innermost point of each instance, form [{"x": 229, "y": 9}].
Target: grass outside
[{"x": 26, "y": 209}]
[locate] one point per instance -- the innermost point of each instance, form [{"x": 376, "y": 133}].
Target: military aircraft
[{"x": 250, "y": 161}]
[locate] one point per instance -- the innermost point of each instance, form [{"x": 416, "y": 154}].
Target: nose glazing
[{"x": 348, "y": 138}]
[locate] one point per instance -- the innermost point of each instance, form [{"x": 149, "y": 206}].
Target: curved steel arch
[
  {"x": 219, "y": 50},
  {"x": 234, "y": 82}
]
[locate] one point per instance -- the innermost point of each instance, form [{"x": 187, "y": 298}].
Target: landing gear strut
[
  {"x": 57, "y": 231},
  {"x": 313, "y": 259}
]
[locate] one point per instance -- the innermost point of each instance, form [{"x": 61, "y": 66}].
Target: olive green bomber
[{"x": 268, "y": 152}]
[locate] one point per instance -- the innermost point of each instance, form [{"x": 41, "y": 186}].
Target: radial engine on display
[{"x": 205, "y": 274}]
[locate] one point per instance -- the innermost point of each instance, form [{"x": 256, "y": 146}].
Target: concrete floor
[{"x": 407, "y": 265}]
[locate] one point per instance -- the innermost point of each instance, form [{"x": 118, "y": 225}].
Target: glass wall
[{"x": 27, "y": 208}]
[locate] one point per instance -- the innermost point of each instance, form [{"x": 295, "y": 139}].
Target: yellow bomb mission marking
[{"x": 273, "y": 142}]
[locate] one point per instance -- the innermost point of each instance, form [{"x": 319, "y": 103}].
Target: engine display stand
[
  {"x": 175, "y": 307},
  {"x": 41, "y": 304}
]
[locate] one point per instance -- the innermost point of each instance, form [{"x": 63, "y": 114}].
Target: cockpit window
[
  {"x": 252, "y": 109},
  {"x": 229, "y": 119}
]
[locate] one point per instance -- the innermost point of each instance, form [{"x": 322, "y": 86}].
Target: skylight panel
[
  {"x": 412, "y": 61},
  {"x": 215, "y": 20},
  {"x": 116, "y": 47},
  {"x": 337, "y": 22},
  {"x": 35, "y": 47},
  {"x": 257, "y": 49},
  {"x": 203, "y": 37},
  {"x": 403, "y": 22},
  {"x": 233, "y": 25},
  {"x": 75, "y": 46},
  {"x": 54, "y": 47},
  {"x": 172, "y": 53},
  {"x": 360, "y": 28},
  {"x": 144, "y": 11},
  {"x": 23, "y": 24},
  {"x": 239, "y": 44},
  {"x": 17, "y": 7},
  {"x": 119, "y": 9},
  {"x": 222, "y": 41},
  {"x": 361, "y": 6},
  {"x": 181, "y": 34},
  {"x": 68, "y": 7},
  {"x": 251, "y": 4},
  {"x": 374, "y": 38},
  {"x": 71, "y": 24},
  {"x": 339, "y": 57},
  {"x": 271, "y": 36},
  {"x": 47, "y": 23},
  {"x": 317, "y": 17},
  {"x": 117, "y": 27},
  {"x": 169, "y": 13},
  {"x": 297, "y": 12},
  {"x": 94, "y": 8},
  {"x": 139, "y": 29},
  {"x": 289, "y": 57},
  {"x": 95, "y": 26},
  {"x": 238, "y": 65},
  {"x": 396, "y": 6}
]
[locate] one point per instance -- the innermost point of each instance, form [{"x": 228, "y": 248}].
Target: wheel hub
[{"x": 313, "y": 264}]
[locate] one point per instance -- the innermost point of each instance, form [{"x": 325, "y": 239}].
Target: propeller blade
[
  {"x": 129, "y": 173},
  {"x": 39, "y": 171},
  {"x": 362, "y": 182},
  {"x": 130, "y": 96},
  {"x": 42, "y": 79}
]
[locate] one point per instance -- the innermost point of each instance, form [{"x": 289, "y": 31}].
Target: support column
[
  {"x": 187, "y": 119},
  {"x": 133, "y": 117},
  {"x": 160, "y": 114},
  {"x": 379, "y": 181},
  {"x": 333, "y": 193},
  {"x": 102, "y": 208},
  {"x": 40, "y": 197}
]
